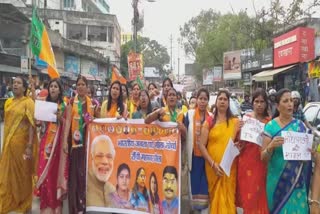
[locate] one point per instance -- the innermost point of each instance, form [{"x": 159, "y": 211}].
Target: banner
[
  {"x": 207, "y": 76},
  {"x": 217, "y": 74},
  {"x": 133, "y": 167},
  {"x": 134, "y": 66},
  {"x": 231, "y": 65}
]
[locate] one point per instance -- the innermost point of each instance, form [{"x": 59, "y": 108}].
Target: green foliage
[
  {"x": 154, "y": 54},
  {"x": 207, "y": 36}
]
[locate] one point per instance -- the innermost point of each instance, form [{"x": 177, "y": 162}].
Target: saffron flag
[
  {"x": 116, "y": 75},
  {"x": 40, "y": 44}
]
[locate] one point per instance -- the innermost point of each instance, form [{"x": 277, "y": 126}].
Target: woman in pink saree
[{"x": 52, "y": 171}]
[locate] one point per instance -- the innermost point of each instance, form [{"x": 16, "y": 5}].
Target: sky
[{"x": 164, "y": 17}]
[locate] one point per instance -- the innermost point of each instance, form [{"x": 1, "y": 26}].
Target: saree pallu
[
  {"x": 287, "y": 181},
  {"x": 251, "y": 180},
  {"x": 16, "y": 177},
  {"x": 222, "y": 190},
  {"x": 53, "y": 169}
]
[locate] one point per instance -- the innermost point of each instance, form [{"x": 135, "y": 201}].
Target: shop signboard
[
  {"x": 267, "y": 58},
  {"x": 217, "y": 74},
  {"x": 294, "y": 46},
  {"x": 250, "y": 60}
]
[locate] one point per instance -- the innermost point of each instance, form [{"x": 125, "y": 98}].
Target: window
[
  {"x": 76, "y": 32},
  {"x": 110, "y": 34},
  {"x": 97, "y": 33},
  {"x": 68, "y": 3}
]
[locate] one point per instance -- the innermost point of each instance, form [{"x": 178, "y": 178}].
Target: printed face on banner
[{"x": 133, "y": 167}]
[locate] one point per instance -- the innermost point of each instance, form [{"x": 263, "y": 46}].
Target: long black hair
[
  {"x": 149, "y": 107},
  {"x": 60, "y": 96},
  {"x": 154, "y": 199},
  {"x": 24, "y": 84},
  {"x": 122, "y": 167},
  {"x": 154, "y": 85},
  {"x": 229, "y": 113},
  {"x": 135, "y": 189},
  {"x": 279, "y": 94},
  {"x": 127, "y": 90},
  {"x": 120, "y": 98},
  {"x": 263, "y": 94}
]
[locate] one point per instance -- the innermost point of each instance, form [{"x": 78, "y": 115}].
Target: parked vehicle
[{"x": 312, "y": 113}]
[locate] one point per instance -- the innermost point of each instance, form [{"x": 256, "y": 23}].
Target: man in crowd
[
  {"x": 246, "y": 104},
  {"x": 98, "y": 185},
  {"x": 170, "y": 204}
]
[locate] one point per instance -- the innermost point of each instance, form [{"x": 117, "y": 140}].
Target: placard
[
  {"x": 252, "y": 130},
  {"x": 296, "y": 145},
  {"x": 229, "y": 155}
]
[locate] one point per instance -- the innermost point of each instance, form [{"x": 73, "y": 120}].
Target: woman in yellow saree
[
  {"x": 215, "y": 135},
  {"x": 18, "y": 159}
]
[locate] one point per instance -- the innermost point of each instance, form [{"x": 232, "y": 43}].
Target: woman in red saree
[
  {"x": 52, "y": 169},
  {"x": 251, "y": 169}
]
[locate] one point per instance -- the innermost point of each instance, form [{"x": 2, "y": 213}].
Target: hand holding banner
[
  {"x": 229, "y": 155},
  {"x": 252, "y": 130}
]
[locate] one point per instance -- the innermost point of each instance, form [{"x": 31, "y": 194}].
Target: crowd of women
[{"x": 261, "y": 181}]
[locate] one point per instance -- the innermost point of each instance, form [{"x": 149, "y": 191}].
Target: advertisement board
[{"x": 232, "y": 65}]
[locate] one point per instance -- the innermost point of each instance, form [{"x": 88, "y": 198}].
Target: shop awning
[
  {"x": 88, "y": 76},
  {"x": 98, "y": 79},
  {"x": 268, "y": 75}
]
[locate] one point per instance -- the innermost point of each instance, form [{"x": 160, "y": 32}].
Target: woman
[
  {"x": 139, "y": 197},
  {"x": 192, "y": 102},
  {"x": 19, "y": 156},
  {"x": 194, "y": 120},
  {"x": 134, "y": 101},
  {"x": 154, "y": 197},
  {"x": 287, "y": 181},
  {"x": 170, "y": 113},
  {"x": 114, "y": 106},
  {"x": 144, "y": 107},
  {"x": 166, "y": 85},
  {"x": 79, "y": 112},
  {"x": 125, "y": 94},
  {"x": 91, "y": 94},
  {"x": 120, "y": 198},
  {"x": 215, "y": 135},
  {"x": 153, "y": 94},
  {"x": 52, "y": 183},
  {"x": 251, "y": 170}
]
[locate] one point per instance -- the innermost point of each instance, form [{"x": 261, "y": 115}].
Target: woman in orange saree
[
  {"x": 19, "y": 156},
  {"x": 251, "y": 169},
  {"x": 78, "y": 113},
  {"x": 215, "y": 136},
  {"x": 114, "y": 106}
]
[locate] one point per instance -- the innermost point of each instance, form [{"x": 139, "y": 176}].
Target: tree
[
  {"x": 154, "y": 54},
  {"x": 207, "y": 36}
]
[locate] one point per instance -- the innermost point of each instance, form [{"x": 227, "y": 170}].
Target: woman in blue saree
[{"x": 287, "y": 181}]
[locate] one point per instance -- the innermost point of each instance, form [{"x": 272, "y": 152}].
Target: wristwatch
[{"x": 310, "y": 201}]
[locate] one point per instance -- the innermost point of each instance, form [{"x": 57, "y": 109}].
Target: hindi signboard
[
  {"x": 296, "y": 145},
  {"x": 140, "y": 160}
]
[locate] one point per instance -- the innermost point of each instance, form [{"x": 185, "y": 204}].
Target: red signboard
[
  {"x": 294, "y": 46},
  {"x": 134, "y": 65}
]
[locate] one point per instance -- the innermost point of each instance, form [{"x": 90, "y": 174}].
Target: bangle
[{"x": 311, "y": 201}]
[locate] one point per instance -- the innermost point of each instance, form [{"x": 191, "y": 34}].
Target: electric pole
[
  {"x": 171, "y": 39},
  {"x": 179, "y": 40}
]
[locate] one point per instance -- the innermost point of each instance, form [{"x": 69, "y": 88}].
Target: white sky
[{"x": 163, "y": 17}]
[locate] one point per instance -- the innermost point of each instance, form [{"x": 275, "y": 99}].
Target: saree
[
  {"x": 287, "y": 181},
  {"x": 16, "y": 177},
  {"x": 53, "y": 170},
  {"x": 198, "y": 184},
  {"x": 132, "y": 107},
  {"x": 77, "y": 172},
  {"x": 113, "y": 112},
  {"x": 175, "y": 116},
  {"x": 222, "y": 190},
  {"x": 252, "y": 170}
]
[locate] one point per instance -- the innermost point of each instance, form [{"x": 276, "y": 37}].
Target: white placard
[
  {"x": 45, "y": 111},
  {"x": 296, "y": 145},
  {"x": 252, "y": 130},
  {"x": 229, "y": 155}
]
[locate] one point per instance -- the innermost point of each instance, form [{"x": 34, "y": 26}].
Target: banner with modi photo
[{"x": 133, "y": 167}]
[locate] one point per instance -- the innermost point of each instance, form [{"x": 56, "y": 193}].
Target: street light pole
[{"x": 136, "y": 21}]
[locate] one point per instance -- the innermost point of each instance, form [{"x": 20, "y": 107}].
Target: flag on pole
[
  {"x": 40, "y": 44},
  {"x": 117, "y": 76},
  {"x": 140, "y": 83}
]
